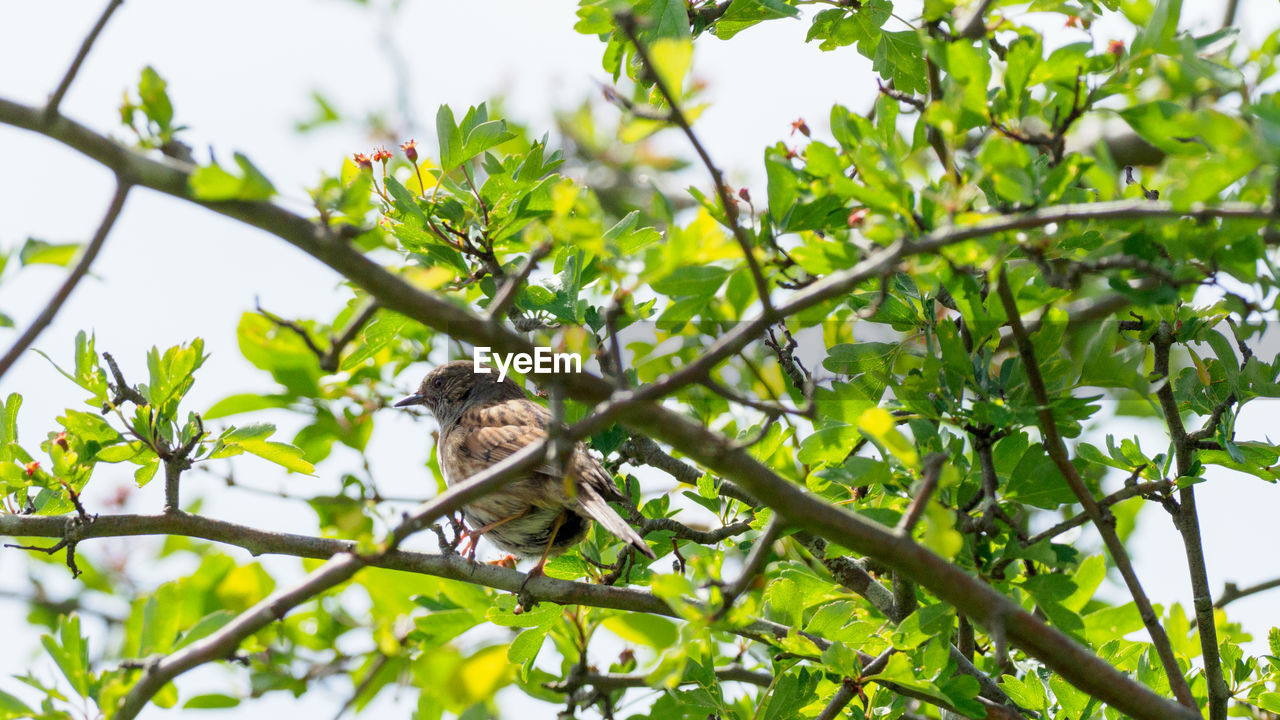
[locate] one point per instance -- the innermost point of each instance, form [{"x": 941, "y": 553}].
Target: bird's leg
[
  {"x": 473, "y": 536},
  {"x": 526, "y": 602},
  {"x": 551, "y": 540}
]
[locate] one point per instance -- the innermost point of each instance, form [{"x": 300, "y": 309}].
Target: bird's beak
[{"x": 415, "y": 399}]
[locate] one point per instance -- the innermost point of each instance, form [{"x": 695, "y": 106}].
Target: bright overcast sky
[{"x": 241, "y": 72}]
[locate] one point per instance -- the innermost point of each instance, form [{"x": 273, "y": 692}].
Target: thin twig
[
  {"x": 754, "y": 564},
  {"x": 1187, "y": 520},
  {"x": 1125, "y": 493},
  {"x": 1229, "y": 17},
  {"x": 55, "y": 303},
  {"x": 627, "y": 22},
  {"x": 973, "y": 25},
  {"x": 329, "y": 362},
  {"x": 1232, "y": 592},
  {"x": 928, "y": 482},
  {"x": 511, "y": 288},
  {"x": 55, "y": 100}
]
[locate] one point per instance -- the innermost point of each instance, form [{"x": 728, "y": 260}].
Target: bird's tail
[{"x": 594, "y": 505}]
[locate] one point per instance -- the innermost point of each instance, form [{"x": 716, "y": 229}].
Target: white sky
[{"x": 240, "y": 73}]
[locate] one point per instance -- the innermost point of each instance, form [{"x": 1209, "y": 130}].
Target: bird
[{"x": 541, "y": 513}]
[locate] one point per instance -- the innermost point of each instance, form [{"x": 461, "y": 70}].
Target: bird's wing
[
  {"x": 475, "y": 448},
  {"x": 485, "y": 436}
]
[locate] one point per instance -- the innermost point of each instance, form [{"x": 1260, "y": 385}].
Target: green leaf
[
  {"x": 70, "y": 652},
  {"x": 383, "y": 330},
  {"x": 1160, "y": 30},
  {"x": 523, "y": 650},
  {"x": 172, "y": 374},
  {"x": 742, "y": 14},
  {"x": 643, "y": 629},
  {"x": 1037, "y": 481},
  {"x": 699, "y": 281},
  {"x": 442, "y": 626},
  {"x": 155, "y": 98},
  {"x": 39, "y": 252},
  {"x": 160, "y": 617},
  {"x": 211, "y": 701},
  {"x": 282, "y": 454},
  {"x": 671, "y": 58},
  {"x": 243, "y": 403},
  {"x": 12, "y": 707},
  {"x": 212, "y": 183},
  {"x": 1027, "y": 692},
  {"x": 449, "y": 137},
  {"x": 204, "y": 627},
  {"x": 900, "y": 58},
  {"x": 9, "y": 420},
  {"x": 793, "y": 691},
  {"x": 786, "y": 602}
]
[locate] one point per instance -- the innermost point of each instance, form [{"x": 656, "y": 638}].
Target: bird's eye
[{"x": 437, "y": 383}]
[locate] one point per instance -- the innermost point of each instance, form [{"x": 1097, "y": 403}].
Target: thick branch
[
  {"x": 1057, "y": 450},
  {"x": 69, "y": 285}
]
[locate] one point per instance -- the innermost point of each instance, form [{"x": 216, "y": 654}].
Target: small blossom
[
  {"x": 799, "y": 124},
  {"x": 745, "y": 195},
  {"x": 857, "y": 216},
  {"x": 792, "y": 154},
  {"x": 381, "y": 155},
  {"x": 363, "y": 161},
  {"x": 410, "y": 149},
  {"x": 31, "y": 468},
  {"x": 61, "y": 440},
  {"x": 1116, "y": 47},
  {"x": 1073, "y": 21}
]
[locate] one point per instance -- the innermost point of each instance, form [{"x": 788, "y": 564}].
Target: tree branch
[
  {"x": 55, "y": 303},
  {"x": 1128, "y": 491},
  {"x": 754, "y": 563},
  {"x": 511, "y": 288},
  {"x": 609, "y": 682},
  {"x": 55, "y": 100},
  {"x": 1057, "y": 450},
  {"x": 1187, "y": 521},
  {"x": 627, "y": 22},
  {"x": 928, "y": 482},
  {"x": 339, "y": 568}
]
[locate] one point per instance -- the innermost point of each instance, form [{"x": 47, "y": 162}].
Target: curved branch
[{"x": 55, "y": 303}]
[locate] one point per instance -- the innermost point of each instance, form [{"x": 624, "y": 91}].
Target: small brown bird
[{"x": 540, "y": 514}]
